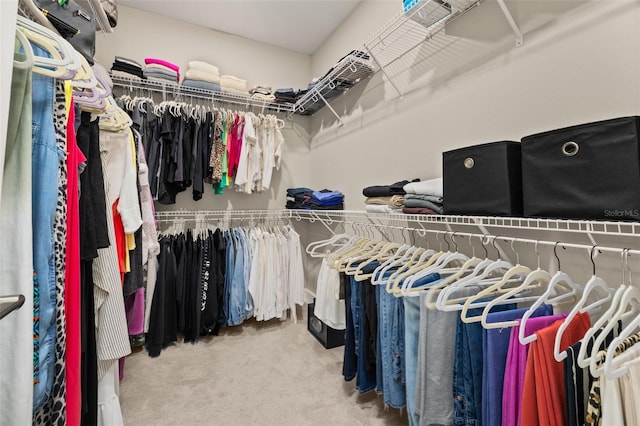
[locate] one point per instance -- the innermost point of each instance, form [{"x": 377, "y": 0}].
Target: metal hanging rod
[
  {"x": 174, "y": 89},
  {"x": 614, "y": 229},
  {"x": 404, "y": 222}
]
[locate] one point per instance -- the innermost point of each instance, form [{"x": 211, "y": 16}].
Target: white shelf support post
[
  {"x": 385, "y": 73},
  {"x": 331, "y": 108},
  {"x": 512, "y": 23}
]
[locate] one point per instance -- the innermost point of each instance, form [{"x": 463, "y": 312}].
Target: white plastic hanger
[
  {"x": 466, "y": 268},
  {"x": 584, "y": 357},
  {"x": 336, "y": 240},
  {"x": 594, "y": 284},
  {"x": 559, "y": 281},
  {"x": 496, "y": 289},
  {"x": 64, "y": 58},
  {"x": 28, "y": 51},
  {"x": 534, "y": 279},
  {"x": 401, "y": 256}
]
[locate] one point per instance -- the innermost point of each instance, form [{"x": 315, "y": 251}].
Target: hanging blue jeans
[
  {"x": 45, "y": 160},
  {"x": 467, "y": 369},
  {"x": 391, "y": 336}
]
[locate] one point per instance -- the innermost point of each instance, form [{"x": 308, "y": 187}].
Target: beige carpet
[{"x": 272, "y": 373}]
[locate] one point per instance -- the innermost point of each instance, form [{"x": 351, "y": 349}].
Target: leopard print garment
[
  {"x": 217, "y": 153},
  {"x": 54, "y": 411},
  {"x": 594, "y": 405}
]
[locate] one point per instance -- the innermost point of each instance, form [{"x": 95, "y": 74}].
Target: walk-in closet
[{"x": 320, "y": 212}]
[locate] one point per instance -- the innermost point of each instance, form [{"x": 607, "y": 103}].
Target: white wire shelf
[
  {"x": 406, "y": 31},
  {"x": 345, "y": 74},
  {"x": 330, "y": 217},
  {"x": 179, "y": 91}
]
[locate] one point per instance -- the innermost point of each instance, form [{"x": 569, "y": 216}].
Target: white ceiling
[{"x": 299, "y": 25}]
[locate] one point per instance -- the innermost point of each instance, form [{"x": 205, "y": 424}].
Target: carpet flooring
[{"x": 272, "y": 373}]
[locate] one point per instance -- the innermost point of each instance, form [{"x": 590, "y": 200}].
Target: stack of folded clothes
[
  {"x": 308, "y": 199},
  {"x": 233, "y": 84},
  {"x": 201, "y": 75},
  {"x": 423, "y": 197},
  {"x": 263, "y": 93},
  {"x": 385, "y": 198},
  {"x": 127, "y": 68},
  {"x": 327, "y": 200},
  {"x": 161, "y": 70},
  {"x": 285, "y": 95},
  {"x": 298, "y": 198}
]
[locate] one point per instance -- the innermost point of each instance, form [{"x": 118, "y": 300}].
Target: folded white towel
[
  {"x": 204, "y": 66},
  {"x": 425, "y": 187},
  {"x": 232, "y": 82},
  {"x": 234, "y": 91},
  {"x": 262, "y": 97},
  {"x": 373, "y": 208},
  {"x": 195, "y": 74}
]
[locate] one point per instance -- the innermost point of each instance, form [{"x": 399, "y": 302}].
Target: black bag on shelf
[
  {"x": 74, "y": 23},
  {"x": 589, "y": 171},
  {"x": 483, "y": 180}
]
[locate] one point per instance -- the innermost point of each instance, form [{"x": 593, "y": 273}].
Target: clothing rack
[
  {"x": 490, "y": 228},
  {"x": 177, "y": 91}
]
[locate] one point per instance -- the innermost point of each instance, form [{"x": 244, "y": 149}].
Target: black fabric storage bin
[
  {"x": 589, "y": 171},
  {"x": 483, "y": 180},
  {"x": 327, "y": 336}
]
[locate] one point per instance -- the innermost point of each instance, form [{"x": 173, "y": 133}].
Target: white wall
[
  {"x": 580, "y": 63},
  {"x": 141, "y": 34}
]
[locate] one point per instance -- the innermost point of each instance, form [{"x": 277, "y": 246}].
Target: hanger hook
[
  {"x": 473, "y": 249},
  {"x": 622, "y": 253},
  {"x": 593, "y": 259},
  {"x": 555, "y": 253},
  {"x": 628, "y": 266},
  {"x": 493, "y": 243},
  {"x": 484, "y": 246},
  {"x": 444, "y": 237},
  {"x": 513, "y": 249},
  {"x": 453, "y": 240},
  {"x": 537, "y": 252}
]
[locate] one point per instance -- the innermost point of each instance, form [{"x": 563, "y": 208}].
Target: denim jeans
[
  {"x": 391, "y": 337},
  {"x": 45, "y": 160},
  {"x": 365, "y": 375},
  {"x": 350, "y": 360},
  {"x": 411, "y": 336},
  {"x": 248, "y": 301},
  {"x": 467, "y": 369},
  {"x": 229, "y": 268},
  {"x": 238, "y": 292}
]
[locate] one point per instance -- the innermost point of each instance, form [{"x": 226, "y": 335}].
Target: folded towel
[
  {"x": 372, "y": 208},
  {"x": 202, "y": 76},
  {"x": 412, "y": 202},
  {"x": 417, "y": 210},
  {"x": 197, "y": 84},
  {"x": 232, "y": 82},
  {"x": 234, "y": 91},
  {"x": 393, "y": 201},
  {"x": 426, "y": 187},
  {"x": 128, "y": 61},
  {"x": 157, "y": 67},
  {"x": 265, "y": 90},
  {"x": 124, "y": 74},
  {"x": 167, "y": 64},
  {"x": 260, "y": 96},
  {"x": 204, "y": 67},
  {"x": 160, "y": 78},
  {"x": 433, "y": 198},
  {"x": 153, "y": 71}
]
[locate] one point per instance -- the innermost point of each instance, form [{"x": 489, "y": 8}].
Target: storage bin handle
[{"x": 570, "y": 148}]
